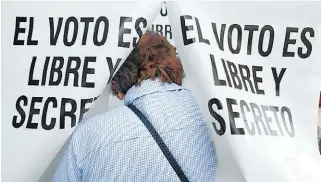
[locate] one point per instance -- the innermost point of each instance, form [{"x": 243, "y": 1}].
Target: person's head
[{"x": 153, "y": 57}]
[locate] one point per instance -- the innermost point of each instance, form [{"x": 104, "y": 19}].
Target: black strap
[{"x": 160, "y": 143}]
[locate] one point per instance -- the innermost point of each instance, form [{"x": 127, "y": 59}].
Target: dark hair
[{"x": 153, "y": 57}]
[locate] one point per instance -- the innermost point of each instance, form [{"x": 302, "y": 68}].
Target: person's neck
[{"x": 148, "y": 86}]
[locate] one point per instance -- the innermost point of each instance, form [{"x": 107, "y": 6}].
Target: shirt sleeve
[{"x": 68, "y": 170}]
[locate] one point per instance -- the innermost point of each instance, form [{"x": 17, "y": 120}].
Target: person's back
[
  {"x": 116, "y": 146},
  {"x": 112, "y": 148}
]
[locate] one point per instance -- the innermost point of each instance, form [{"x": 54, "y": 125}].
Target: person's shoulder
[
  {"x": 109, "y": 122},
  {"x": 119, "y": 113},
  {"x": 105, "y": 129}
]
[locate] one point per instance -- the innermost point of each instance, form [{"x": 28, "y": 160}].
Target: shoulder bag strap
[{"x": 160, "y": 143}]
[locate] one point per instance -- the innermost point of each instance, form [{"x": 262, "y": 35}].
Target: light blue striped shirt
[{"x": 116, "y": 146}]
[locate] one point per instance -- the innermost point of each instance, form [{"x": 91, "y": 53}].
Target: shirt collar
[{"x": 148, "y": 87}]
